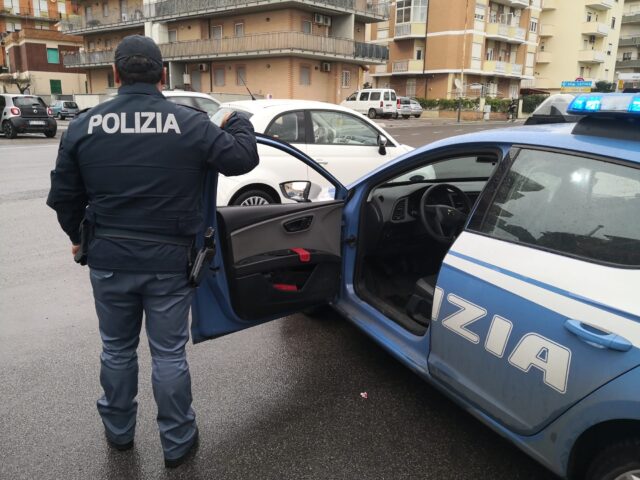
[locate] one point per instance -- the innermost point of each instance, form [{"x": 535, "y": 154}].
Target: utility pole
[{"x": 464, "y": 51}]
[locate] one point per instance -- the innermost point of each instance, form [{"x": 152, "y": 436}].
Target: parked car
[
  {"x": 64, "y": 108},
  {"x": 346, "y": 144},
  {"x": 373, "y": 102},
  {"x": 201, "y": 101},
  {"x": 508, "y": 278},
  {"x": 408, "y": 107},
  {"x": 416, "y": 108},
  {"x": 25, "y": 114}
]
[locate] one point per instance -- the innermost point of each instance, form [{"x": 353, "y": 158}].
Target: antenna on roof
[{"x": 245, "y": 86}]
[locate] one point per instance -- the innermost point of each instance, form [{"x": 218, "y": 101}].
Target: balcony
[
  {"x": 277, "y": 44},
  {"x": 364, "y": 10},
  {"x": 118, "y": 20},
  {"x": 410, "y": 30},
  {"x": 628, "y": 63},
  {"x": 631, "y": 16},
  {"x": 591, "y": 56},
  {"x": 502, "y": 68},
  {"x": 513, "y": 3},
  {"x": 546, "y": 30},
  {"x": 544, "y": 57},
  {"x": 506, "y": 33},
  {"x": 549, "y": 4},
  {"x": 26, "y": 12},
  {"x": 598, "y": 29},
  {"x": 630, "y": 41},
  {"x": 408, "y": 67},
  {"x": 599, "y": 4}
]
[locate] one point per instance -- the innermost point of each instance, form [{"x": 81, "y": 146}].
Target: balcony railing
[
  {"x": 118, "y": 19},
  {"x": 598, "y": 29},
  {"x": 591, "y": 56},
  {"x": 408, "y": 66},
  {"x": 631, "y": 16},
  {"x": 190, "y": 8},
  {"x": 599, "y": 4},
  {"x": 628, "y": 63},
  {"x": 513, "y": 3},
  {"x": 266, "y": 44},
  {"x": 549, "y": 4},
  {"x": 630, "y": 41},
  {"x": 544, "y": 57},
  {"x": 410, "y": 30},
  {"x": 506, "y": 32},
  {"x": 504, "y": 68}
]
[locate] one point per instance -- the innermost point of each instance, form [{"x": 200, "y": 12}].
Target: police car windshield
[{"x": 220, "y": 114}]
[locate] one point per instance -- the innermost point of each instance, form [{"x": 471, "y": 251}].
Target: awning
[{"x": 533, "y": 91}]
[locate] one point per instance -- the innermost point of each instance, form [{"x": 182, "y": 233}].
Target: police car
[{"x": 501, "y": 266}]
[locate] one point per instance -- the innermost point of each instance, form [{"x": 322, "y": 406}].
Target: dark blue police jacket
[{"x": 139, "y": 163}]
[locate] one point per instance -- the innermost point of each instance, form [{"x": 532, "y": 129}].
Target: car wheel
[
  {"x": 620, "y": 461},
  {"x": 372, "y": 113},
  {"x": 50, "y": 133},
  {"x": 62, "y": 118},
  {"x": 417, "y": 116},
  {"x": 406, "y": 116},
  {"x": 252, "y": 198},
  {"x": 9, "y": 130}
]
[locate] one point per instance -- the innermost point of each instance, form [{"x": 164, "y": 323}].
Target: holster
[
  {"x": 203, "y": 258},
  {"x": 85, "y": 237}
]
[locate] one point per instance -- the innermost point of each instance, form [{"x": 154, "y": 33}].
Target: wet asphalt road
[{"x": 281, "y": 400}]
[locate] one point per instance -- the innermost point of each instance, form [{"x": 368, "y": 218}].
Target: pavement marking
[{"x": 20, "y": 147}]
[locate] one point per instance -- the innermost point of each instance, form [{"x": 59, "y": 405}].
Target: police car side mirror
[
  {"x": 297, "y": 191},
  {"x": 382, "y": 144}
]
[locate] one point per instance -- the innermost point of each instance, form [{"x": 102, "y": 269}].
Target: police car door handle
[
  {"x": 321, "y": 161},
  {"x": 596, "y": 337}
]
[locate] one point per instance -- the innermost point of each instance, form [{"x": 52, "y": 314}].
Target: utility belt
[{"x": 197, "y": 263}]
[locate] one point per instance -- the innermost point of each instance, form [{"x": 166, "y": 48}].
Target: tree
[
  {"x": 21, "y": 81},
  {"x": 604, "y": 86},
  {"x": 366, "y": 85}
]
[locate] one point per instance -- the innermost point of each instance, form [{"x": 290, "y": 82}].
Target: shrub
[{"x": 531, "y": 102}]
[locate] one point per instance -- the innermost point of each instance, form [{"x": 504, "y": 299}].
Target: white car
[
  {"x": 347, "y": 144},
  {"x": 201, "y": 101}
]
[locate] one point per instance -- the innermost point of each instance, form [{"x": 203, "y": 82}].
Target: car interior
[{"x": 408, "y": 224}]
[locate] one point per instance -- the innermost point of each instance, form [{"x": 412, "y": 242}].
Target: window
[
  {"x": 346, "y": 78},
  {"x": 480, "y": 12},
  {"x": 88, "y": 14},
  {"x": 107, "y": 44},
  {"x": 471, "y": 168},
  {"x": 216, "y": 32},
  {"x": 305, "y": 75},
  {"x": 239, "y": 29},
  {"x": 613, "y": 23},
  {"x": 337, "y": 128},
  {"x": 40, "y": 8},
  {"x": 241, "y": 75},
  {"x": 533, "y": 26},
  {"x": 411, "y": 87},
  {"x": 207, "y": 105},
  {"x": 105, "y": 9},
  {"x": 626, "y": 56},
  {"x": 568, "y": 204},
  {"x": 489, "y": 54},
  {"x": 418, "y": 54},
  {"x": 110, "y": 80},
  {"x": 375, "y": 96},
  {"x": 288, "y": 127},
  {"x": 352, "y": 97},
  {"x": 56, "y": 87},
  {"x": 53, "y": 55},
  {"x": 62, "y": 8},
  {"x": 306, "y": 27},
  {"x": 173, "y": 36},
  {"x": 364, "y": 96},
  {"x": 91, "y": 45},
  {"x": 218, "y": 76},
  {"x": 403, "y": 11}
]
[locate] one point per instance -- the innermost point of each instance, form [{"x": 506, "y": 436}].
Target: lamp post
[{"x": 464, "y": 51}]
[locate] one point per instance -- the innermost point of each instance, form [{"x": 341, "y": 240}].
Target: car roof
[
  {"x": 187, "y": 93},
  {"x": 549, "y": 136},
  {"x": 255, "y": 106}
]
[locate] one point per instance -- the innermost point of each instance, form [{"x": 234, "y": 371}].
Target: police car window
[
  {"x": 569, "y": 204},
  {"x": 473, "y": 167},
  {"x": 337, "y": 128},
  {"x": 207, "y": 105},
  {"x": 288, "y": 127}
]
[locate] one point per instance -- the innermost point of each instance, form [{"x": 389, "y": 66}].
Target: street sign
[{"x": 579, "y": 86}]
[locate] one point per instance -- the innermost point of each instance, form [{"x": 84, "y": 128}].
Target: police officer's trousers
[{"x": 121, "y": 299}]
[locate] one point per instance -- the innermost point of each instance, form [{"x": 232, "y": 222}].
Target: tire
[
  {"x": 254, "y": 198},
  {"x": 372, "y": 113},
  {"x": 620, "y": 461},
  {"x": 417, "y": 116},
  {"x": 406, "y": 116},
  {"x": 9, "y": 130},
  {"x": 50, "y": 133},
  {"x": 62, "y": 118}
]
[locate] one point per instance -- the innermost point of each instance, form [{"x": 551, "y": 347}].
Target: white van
[{"x": 373, "y": 102}]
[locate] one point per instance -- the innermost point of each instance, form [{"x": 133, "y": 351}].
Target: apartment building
[
  {"x": 578, "y": 39},
  {"x": 32, "y": 46},
  {"x": 304, "y": 49},
  {"x": 628, "y": 59},
  {"x": 442, "y": 49}
]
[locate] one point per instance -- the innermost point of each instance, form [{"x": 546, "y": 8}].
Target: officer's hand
[
  {"x": 223, "y": 123},
  {"x": 74, "y": 249}
]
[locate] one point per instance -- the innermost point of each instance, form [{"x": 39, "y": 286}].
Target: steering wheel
[{"x": 444, "y": 223}]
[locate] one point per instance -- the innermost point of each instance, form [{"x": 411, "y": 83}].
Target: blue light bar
[{"x": 620, "y": 104}]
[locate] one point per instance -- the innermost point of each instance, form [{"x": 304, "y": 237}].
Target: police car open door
[{"x": 271, "y": 260}]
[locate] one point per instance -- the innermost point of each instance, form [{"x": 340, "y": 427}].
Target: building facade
[
  {"x": 578, "y": 39},
  {"x": 443, "y": 49},
  {"x": 32, "y": 47},
  {"x": 628, "y": 59},
  {"x": 304, "y": 49}
]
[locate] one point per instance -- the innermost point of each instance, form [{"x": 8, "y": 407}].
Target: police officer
[{"x": 133, "y": 169}]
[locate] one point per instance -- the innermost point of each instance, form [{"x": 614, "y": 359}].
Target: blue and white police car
[{"x": 501, "y": 266}]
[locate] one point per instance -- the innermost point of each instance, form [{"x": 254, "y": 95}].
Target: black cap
[{"x": 138, "y": 45}]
